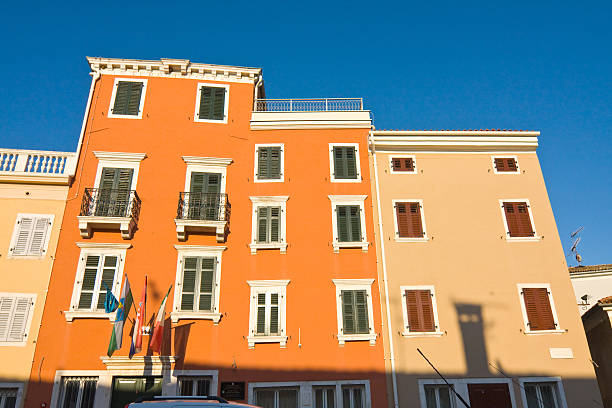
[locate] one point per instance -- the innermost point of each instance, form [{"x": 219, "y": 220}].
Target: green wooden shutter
[
  {"x": 361, "y": 311},
  {"x": 127, "y": 98},
  {"x": 342, "y": 222},
  {"x": 275, "y": 224},
  {"x": 212, "y": 103},
  {"x": 261, "y": 314},
  {"x": 205, "y": 102},
  {"x": 262, "y": 163},
  {"x": 207, "y": 279},
  {"x": 218, "y": 112},
  {"x": 345, "y": 162},
  {"x": 274, "y": 164},
  {"x": 262, "y": 223},
  {"x": 111, "y": 264},
  {"x": 114, "y": 192},
  {"x": 274, "y": 312},
  {"x": 190, "y": 268},
  {"x": 269, "y": 162},
  {"x": 339, "y": 163},
  {"x": 355, "y": 223},
  {"x": 88, "y": 282},
  {"x": 348, "y": 312}
]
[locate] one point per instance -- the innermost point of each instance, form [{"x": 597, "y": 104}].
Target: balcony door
[
  {"x": 113, "y": 196},
  {"x": 204, "y": 196},
  {"x": 128, "y": 389}
]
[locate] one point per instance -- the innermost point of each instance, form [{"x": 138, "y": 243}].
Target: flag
[
  {"x": 158, "y": 332},
  {"x": 140, "y": 316},
  {"x": 110, "y": 301},
  {"x": 123, "y": 309}
]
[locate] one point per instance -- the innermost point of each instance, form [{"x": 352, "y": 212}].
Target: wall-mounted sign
[{"x": 233, "y": 391}]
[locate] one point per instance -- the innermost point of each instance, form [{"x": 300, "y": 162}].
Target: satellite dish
[
  {"x": 578, "y": 258},
  {"x": 573, "y": 234}
]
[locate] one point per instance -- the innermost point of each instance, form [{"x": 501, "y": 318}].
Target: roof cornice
[{"x": 173, "y": 68}]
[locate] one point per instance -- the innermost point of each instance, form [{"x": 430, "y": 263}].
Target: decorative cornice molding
[
  {"x": 174, "y": 68},
  {"x": 207, "y": 161},
  {"x": 138, "y": 362},
  {"x": 268, "y": 283},
  {"x": 120, "y": 156},
  {"x": 200, "y": 248},
  {"x": 346, "y": 198},
  {"x": 268, "y": 199},
  {"x": 353, "y": 281},
  {"x": 101, "y": 245}
]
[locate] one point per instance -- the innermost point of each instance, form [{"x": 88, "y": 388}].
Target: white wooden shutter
[
  {"x": 20, "y": 319},
  {"x": 22, "y": 235},
  {"x": 39, "y": 235},
  {"x": 30, "y": 235},
  {"x": 6, "y": 310}
]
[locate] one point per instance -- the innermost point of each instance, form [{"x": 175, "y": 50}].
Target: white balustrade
[{"x": 37, "y": 162}]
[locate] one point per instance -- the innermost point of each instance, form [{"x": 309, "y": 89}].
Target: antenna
[
  {"x": 573, "y": 234},
  {"x": 575, "y": 244},
  {"x": 574, "y": 248}
]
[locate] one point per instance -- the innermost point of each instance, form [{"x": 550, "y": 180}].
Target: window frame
[
  {"x": 193, "y": 378},
  {"x": 460, "y": 385},
  {"x": 354, "y": 284},
  {"x": 406, "y": 329},
  {"x": 269, "y": 201},
  {"x": 256, "y": 178},
  {"x": 352, "y": 200},
  {"x": 14, "y": 236},
  {"x": 526, "y": 201},
  {"x": 172, "y": 387},
  {"x": 559, "y": 391},
  {"x": 114, "y": 94},
  {"x": 118, "y": 160},
  {"x": 425, "y": 237},
  {"x": 402, "y": 156},
  {"x": 505, "y": 156},
  {"x": 28, "y": 323},
  {"x": 89, "y": 248},
  {"x": 526, "y": 328},
  {"x": 197, "y": 251},
  {"x": 332, "y": 169},
  {"x": 268, "y": 286},
  {"x": 199, "y": 95},
  {"x": 19, "y": 386},
  {"x": 58, "y": 385}
]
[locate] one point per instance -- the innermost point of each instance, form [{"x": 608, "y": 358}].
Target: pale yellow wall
[
  {"x": 469, "y": 261},
  {"x": 18, "y": 275}
]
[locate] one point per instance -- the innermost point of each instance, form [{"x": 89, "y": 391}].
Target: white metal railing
[
  {"x": 308, "y": 105},
  {"x": 37, "y": 162}
]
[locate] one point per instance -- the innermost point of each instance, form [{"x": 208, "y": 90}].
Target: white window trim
[
  {"x": 26, "y": 329},
  {"x": 354, "y": 284},
  {"x": 256, "y": 178},
  {"x": 19, "y": 387},
  {"x": 197, "y": 250},
  {"x": 422, "y": 207},
  {"x": 45, "y": 246},
  {"x": 507, "y": 230},
  {"x": 142, "y": 98},
  {"x": 119, "y": 250},
  {"x": 460, "y": 385},
  {"x": 306, "y": 390},
  {"x": 332, "y": 169},
  {"x": 402, "y": 156},
  {"x": 225, "y": 107},
  {"x": 527, "y": 330},
  {"x": 269, "y": 201},
  {"x": 348, "y": 200},
  {"x": 405, "y": 331},
  {"x": 173, "y": 387},
  {"x": 556, "y": 380},
  {"x": 259, "y": 286},
  {"x": 206, "y": 165},
  {"x": 119, "y": 160},
  {"x": 505, "y": 156}
]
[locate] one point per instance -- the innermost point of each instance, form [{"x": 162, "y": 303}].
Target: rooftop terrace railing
[
  {"x": 37, "y": 162},
  {"x": 309, "y": 105}
]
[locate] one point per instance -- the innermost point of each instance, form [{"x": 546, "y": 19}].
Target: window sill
[
  {"x": 537, "y": 332},
  {"x": 355, "y": 180},
  {"x": 70, "y": 315},
  {"x": 362, "y": 245},
  {"x": 11, "y": 256},
  {"x": 274, "y": 245},
  {"x": 176, "y": 316},
  {"x": 402, "y": 172},
  {"x": 112, "y": 115},
  {"x": 219, "y": 121},
  {"x": 278, "y": 180},
  {"x": 267, "y": 339},
  {"x": 371, "y": 337},
  {"x": 522, "y": 239},
  {"x": 13, "y": 343},
  {"x": 406, "y": 239},
  {"x": 406, "y": 333}
]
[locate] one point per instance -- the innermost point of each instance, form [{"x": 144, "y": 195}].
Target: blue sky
[{"x": 427, "y": 65}]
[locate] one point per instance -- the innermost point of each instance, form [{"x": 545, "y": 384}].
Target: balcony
[
  {"x": 202, "y": 212},
  {"x": 109, "y": 209},
  {"x": 330, "y": 113},
  {"x": 36, "y": 166}
]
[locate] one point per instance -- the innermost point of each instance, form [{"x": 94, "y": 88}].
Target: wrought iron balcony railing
[
  {"x": 102, "y": 202},
  {"x": 309, "y": 105},
  {"x": 203, "y": 206}
]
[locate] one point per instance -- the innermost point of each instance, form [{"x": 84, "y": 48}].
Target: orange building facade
[{"x": 259, "y": 216}]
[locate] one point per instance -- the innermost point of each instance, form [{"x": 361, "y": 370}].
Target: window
[
  {"x": 269, "y": 223},
  {"x": 78, "y": 392},
  {"x": 267, "y": 319},
  {"x": 353, "y": 396},
  {"x": 403, "y": 164},
  {"x": 538, "y": 308},
  {"x": 8, "y": 397},
  {"x": 114, "y": 193},
  {"x": 348, "y": 222},
  {"x": 541, "y": 395},
  {"x": 127, "y": 99},
  {"x": 195, "y": 386},
  {"x": 420, "y": 311},
  {"x": 100, "y": 265},
  {"x": 344, "y": 162},
  {"x": 31, "y": 235},
  {"x": 324, "y": 397},
  {"x": 211, "y": 103},
  {"x": 409, "y": 220},
  {"x": 15, "y": 318},
  {"x": 354, "y": 310},
  {"x": 277, "y": 397},
  {"x": 438, "y": 396},
  {"x": 518, "y": 219},
  {"x": 269, "y": 163},
  {"x": 505, "y": 164},
  {"x": 197, "y": 283}
]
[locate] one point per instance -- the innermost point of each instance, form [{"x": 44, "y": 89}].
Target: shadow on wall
[{"x": 579, "y": 391}]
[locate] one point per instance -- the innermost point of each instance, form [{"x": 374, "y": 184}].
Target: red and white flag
[
  {"x": 158, "y": 332},
  {"x": 136, "y": 346}
]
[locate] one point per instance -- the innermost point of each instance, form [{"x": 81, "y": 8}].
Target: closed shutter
[
  {"x": 39, "y": 235},
  {"x": 24, "y": 231},
  {"x": 14, "y": 314},
  {"x": 348, "y": 222},
  {"x": 6, "y": 312},
  {"x": 345, "y": 162},
  {"x": 539, "y": 312},
  {"x": 261, "y": 314},
  {"x": 207, "y": 279},
  {"x": 361, "y": 311},
  {"x": 262, "y": 223},
  {"x": 409, "y": 223},
  {"x": 402, "y": 164},
  {"x": 269, "y": 163},
  {"x": 127, "y": 98},
  {"x": 263, "y": 157},
  {"x": 419, "y": 309},
  {"x": 355, "y": 318},
  {"x": 204, "y": 199},
  {"x": 505, "y": 164},
  {"x": 348, "y": 312},
  {"x": 268, "y": 224},
  {"x": 342, "y": 223},
  {"x": 274, "y": 309},
  {"x": 212, "y": 103},
  {"x": 114, "y": 192},
  {"x": 31, "y": 233},
  {"x": 190, "y": 269},
  {"x": 275, "y": 215},
  {"x": 518, "y": 220},
  {"x": 88, "y": 283}
]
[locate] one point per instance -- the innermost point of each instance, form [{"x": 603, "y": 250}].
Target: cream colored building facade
[
  {"x": 33, "y": 193},
  {"x": 474, "y": 274}
]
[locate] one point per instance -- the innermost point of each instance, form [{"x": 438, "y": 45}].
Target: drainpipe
[
  {"x": 257, "y": 85},
  {"x": 384, "y": 266},
  {"x": 94, "y": 78}
]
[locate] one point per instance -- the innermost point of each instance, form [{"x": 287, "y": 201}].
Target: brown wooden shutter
[
  {"x": 518, "y": 220},
  {"x": 409, "y": 220},
  {"x": 505, "y": 164},
  {"x": 419, "y": 309},
  {"x": 402, "y": 164},
  {"x": 539, "y": 312}
]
